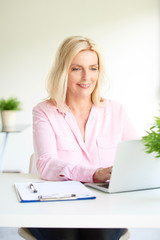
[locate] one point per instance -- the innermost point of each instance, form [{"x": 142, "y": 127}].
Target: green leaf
[{"x": 152, "y": 140}]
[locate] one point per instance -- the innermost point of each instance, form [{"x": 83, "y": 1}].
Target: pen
[
  {"x": 54, "y": 198},
  {"x": 33, "y": 189}
]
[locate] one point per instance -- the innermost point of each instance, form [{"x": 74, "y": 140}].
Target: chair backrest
[{"x": 32, "y": 165}]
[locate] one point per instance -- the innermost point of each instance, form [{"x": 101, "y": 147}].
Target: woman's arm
[
  {"x": 49, "y": 165},
  {"x": 128, "y": 130},
  {"x": 128, "y": 133}
]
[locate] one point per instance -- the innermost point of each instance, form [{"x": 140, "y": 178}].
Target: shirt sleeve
[
  {"x": 128, "y": 130},
  {"x": 49, "y": 166}
]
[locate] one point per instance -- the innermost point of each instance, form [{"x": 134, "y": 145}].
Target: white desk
[{"x": 139, "y": 209}]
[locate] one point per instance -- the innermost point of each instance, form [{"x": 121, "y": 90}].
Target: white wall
[{"x": 127, "y": 31}]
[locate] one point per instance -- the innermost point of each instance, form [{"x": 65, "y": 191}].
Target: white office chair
[
  {"x": 32, "y": 165},
  {"x": 26, "y": 234}
]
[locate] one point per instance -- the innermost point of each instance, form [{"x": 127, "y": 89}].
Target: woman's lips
[{"x": 84, "y": 85}]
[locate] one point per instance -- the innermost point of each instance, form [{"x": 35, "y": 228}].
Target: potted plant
[
  {"x": 8, "y": 108},
  {"x": 152, "y": 139}
]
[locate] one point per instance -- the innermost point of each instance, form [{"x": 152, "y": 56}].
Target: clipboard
[{"x": 46, "y": 191}]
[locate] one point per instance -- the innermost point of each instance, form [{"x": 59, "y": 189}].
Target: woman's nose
[{"x": 85, "y": 75}]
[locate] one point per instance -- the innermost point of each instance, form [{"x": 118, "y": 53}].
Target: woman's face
[{"x": 83, "y": 74}]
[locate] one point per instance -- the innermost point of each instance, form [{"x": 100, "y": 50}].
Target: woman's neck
[
  {"x": 81, "y": 110},
  {"x": 79, "y": 106}
]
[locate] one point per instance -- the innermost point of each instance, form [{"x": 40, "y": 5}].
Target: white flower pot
[{"x": 8, "y": 119}]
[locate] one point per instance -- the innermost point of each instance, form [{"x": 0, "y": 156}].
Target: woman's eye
[
  {"x": 94, "y": 68},
  {"x": 75, "y": 69}
]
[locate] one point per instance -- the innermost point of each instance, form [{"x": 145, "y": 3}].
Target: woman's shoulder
[
  {"x": 112, "y": 108},
  {"x": 44, "y": 106},
  {"x": 111, "y": 104}
]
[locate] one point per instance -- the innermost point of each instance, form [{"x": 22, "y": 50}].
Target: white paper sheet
[{"x": 52, "y": 190}]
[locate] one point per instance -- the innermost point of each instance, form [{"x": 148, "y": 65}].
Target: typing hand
[{"x": 102, "y": 174}]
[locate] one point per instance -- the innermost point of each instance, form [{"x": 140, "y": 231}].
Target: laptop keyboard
[{"x": 104, "y": 185}]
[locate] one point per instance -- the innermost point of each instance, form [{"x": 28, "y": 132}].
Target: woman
[{"x": 76, "y": 131}]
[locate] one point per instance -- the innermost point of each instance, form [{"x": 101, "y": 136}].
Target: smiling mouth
[{"x": 84, "y": 85}]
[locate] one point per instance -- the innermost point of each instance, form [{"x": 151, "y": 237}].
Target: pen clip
[{"x": 54, "y": 198}]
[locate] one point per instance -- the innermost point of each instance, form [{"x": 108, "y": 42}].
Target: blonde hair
[{"x": 58, "y": 76}]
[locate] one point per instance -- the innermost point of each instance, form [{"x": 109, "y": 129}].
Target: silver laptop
[{"x": 133, "y": 169}]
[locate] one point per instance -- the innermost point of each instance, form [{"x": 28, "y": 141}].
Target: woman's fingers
[{"x": 102, "y": 174}]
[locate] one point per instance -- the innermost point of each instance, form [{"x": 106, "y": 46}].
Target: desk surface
[{"x": 140, "y": 209}]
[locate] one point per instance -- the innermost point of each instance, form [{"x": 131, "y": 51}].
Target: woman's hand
[{"x": 102, "y": 174}]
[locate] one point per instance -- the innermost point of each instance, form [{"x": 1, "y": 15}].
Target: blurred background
[{"x": 127, "y": 32}]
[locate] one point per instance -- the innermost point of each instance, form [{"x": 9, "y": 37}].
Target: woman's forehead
[{"x": 85, "y": 56}]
